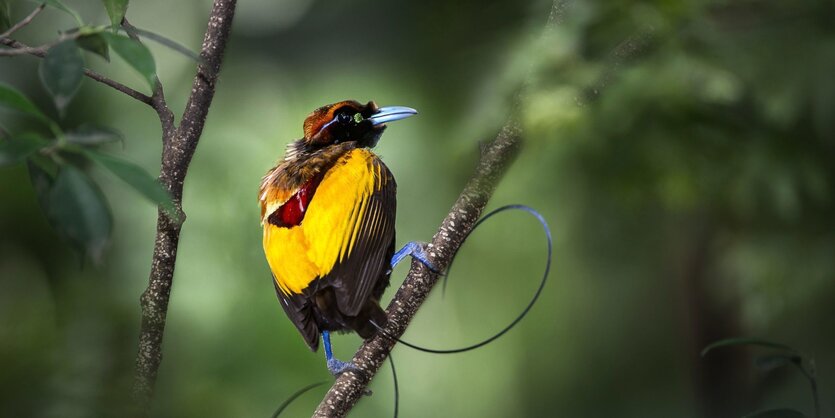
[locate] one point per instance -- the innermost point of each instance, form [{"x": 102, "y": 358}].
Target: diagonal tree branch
[
  {"x": 178, "y": 148},
  {"x": 495, "y": 158}
]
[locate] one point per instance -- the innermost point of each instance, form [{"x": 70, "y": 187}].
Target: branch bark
[
  {"x": 179, "y": 145},
  {"x": 495, "y": 158}
]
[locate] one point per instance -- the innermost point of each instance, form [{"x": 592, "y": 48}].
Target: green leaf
[
  {"x": 168, "y": 43},
  {"x": 78, "y": 210},
  {"x": 13, "y": 99},
  {"x": 136, "y": 55},
  {"x": 116, "y": 10},
  {"x": 16, "y": 149},
  {"x": 60, "y": 6},
  {"x": 5, "y": 16},
  {"x": 42, "y": 173},
  {"x": 89, "y": 135},
  {"x": 96, "y": 44},
  {"x": 746, "y": 341},
  {"x": 61, "y": 71},
  {"x": 136, "y": 177},
  {"x": 776, "y": 413},
  {"x": 45, "y": 164}
]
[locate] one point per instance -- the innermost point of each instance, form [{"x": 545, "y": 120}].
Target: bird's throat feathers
[{"x": 295, "y": 150}]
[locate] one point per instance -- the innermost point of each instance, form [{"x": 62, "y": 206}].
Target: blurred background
[{"x": 689, "y": 184}]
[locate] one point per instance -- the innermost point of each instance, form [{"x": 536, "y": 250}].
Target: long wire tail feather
[
  {"x": 396, "y": 387},
  {"x": 293, "y": 397},
  {"x": 524, "y": 312}
]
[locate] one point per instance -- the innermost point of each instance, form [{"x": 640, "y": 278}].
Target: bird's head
[{"x": 350, "y": 120}]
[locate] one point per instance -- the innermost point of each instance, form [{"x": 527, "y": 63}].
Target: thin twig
[
  {"x": 19, "y": 48},
  {"x": 178, "y": 149},
  {"x": 142, "y": 97},
  {"x": 166, "y": 116},
  {"x": 19, "y": 25},
  {"x": 625, "y": 51},
  {"x": 349, "y": 387},
  {"x": 40, "y": 52},
  {"x": 36, "y": 51}
]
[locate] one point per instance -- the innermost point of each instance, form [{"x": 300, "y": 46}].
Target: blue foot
[
  {"x": 336, "y": 367},
  {"x": 417, "y": 251}
]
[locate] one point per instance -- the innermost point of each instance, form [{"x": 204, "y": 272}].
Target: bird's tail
[{"x": 362, "y": 322}]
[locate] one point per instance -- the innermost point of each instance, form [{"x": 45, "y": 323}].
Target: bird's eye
[{"x": 343, "y": 118}]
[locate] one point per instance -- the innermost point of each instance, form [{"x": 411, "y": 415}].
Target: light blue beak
[{"x": 391, "y": 114}]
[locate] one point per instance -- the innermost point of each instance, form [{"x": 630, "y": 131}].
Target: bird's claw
[
  {"x": 337, "y": 367},
  {"x": 417, "y": 250}
]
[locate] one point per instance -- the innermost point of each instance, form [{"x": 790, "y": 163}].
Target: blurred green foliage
[{"x": 689, "y": 185}]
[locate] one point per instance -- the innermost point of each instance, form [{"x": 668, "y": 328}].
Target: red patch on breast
[{"x": 291, "y": 213}]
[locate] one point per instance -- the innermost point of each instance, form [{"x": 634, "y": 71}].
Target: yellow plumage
[{"x": 298, "y": 255}]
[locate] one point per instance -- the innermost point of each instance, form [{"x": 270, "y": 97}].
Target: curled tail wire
[
  {"x": 293, "y": 397},
  {"x": 494, "y": 337},
  {"x": 521, "y": 315}
]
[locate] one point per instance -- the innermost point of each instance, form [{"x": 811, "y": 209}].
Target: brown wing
[
  {"x": 356, "y": 277},
  {"x": 300, "y": 313}
]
